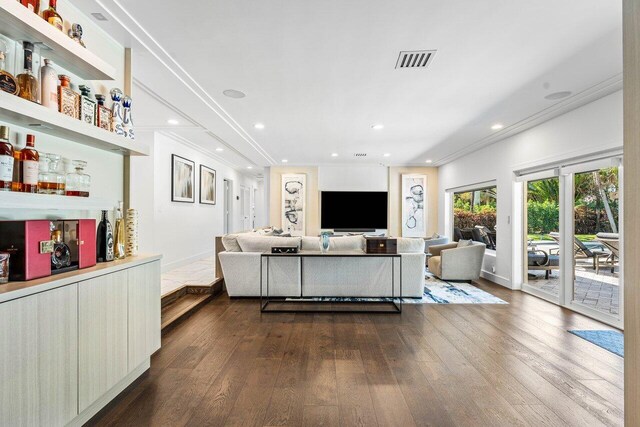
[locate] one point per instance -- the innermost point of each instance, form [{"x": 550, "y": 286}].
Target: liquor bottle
[
  {"x": 119, "y": 251},
  {"x": 103, "y": 116},
  {"x": 52, "y": 16},
  {"x": 8, "y": 83},
  {"x": 49, "y": 86},
  {"x": 29, "y": 166},
  {"x": 87, "y": 106},
  {"x": 104, "y": 240},
  {"x": 117, "y": 112},
  {"x": 6, "y": 160},
  {"x": 32, "y": 5},
  {"x": 68, "y": 99},
  {"x": 16, "y": 185},
  {"x": 50, "y": 179},
  {"x": 27, "y": 82},
  {"x": 127, "y": 118},
  {"x": 61, "y": 255},
  {"x": 78, "y": 182}
]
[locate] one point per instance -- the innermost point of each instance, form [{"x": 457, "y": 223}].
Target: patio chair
[
  {"x": 540, "y": 260},
  {"x": 611, "y": 241},
  {"x": 480, "y": 234},
  {"x": 584, "y": 252}
]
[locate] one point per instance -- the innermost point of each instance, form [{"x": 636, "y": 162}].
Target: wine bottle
[
  {"x": 104, "y": 240},
  {"x": 119, "y": 239}
]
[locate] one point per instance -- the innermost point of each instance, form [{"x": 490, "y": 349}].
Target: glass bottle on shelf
[
  {"x": 6, "y": 160},
  {"x": 61, "y": 255},
  {"x": 87, "y": 105},
  {"x": 78, "y": 183},
  {"x": 103, "y": 113},
  {"x": 29, "y": 166},
  {"x": 104, "y": 240},
  {"x": 52, "y": 16},
  {"x": 51, "y": 181},
  {"x": 27, "y": 82},
  {"x": 119, "y": 245},
  {"x": 16, "y": 185},
  {"x": 8, "y": 83},
  {"x": 49, "y": 86},
  {"x": 32, "y": 5},
  {"x": 68, "y": 99}
]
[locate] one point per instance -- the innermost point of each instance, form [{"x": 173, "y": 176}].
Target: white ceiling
[{"x": 320, "y": 74}]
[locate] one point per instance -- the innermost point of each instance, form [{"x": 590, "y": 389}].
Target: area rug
[
  {"x": 612, "y": 341},
  {"x": 436, "y": 291}
]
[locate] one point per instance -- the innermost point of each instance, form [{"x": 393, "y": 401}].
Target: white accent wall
[
  {"x": 353, "y": 178},
  {"x": 591, "y": 128}
]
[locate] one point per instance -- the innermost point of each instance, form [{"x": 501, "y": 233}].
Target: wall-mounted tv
[{"x": 353, "y": 210}]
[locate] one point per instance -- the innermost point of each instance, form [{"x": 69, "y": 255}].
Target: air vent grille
[
  {"x": 360, "y": 155},
  {"x": 415, "y": 58}
]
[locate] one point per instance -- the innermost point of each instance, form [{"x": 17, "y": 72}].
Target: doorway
[{"x": 227, "y": 203}]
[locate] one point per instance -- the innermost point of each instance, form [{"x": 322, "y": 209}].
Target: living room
[{"x": 294, "y": 213}]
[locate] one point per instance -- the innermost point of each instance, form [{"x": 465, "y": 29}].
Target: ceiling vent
[
  {"x": 415, "y": 58},
  {"x": 360, "y": 155}
]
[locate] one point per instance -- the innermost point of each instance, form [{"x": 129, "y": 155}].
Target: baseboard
[
  {"x": 185, "y": 261},
  {"x": 103, "y": 401},
  {"x": 502, "y": 281}
]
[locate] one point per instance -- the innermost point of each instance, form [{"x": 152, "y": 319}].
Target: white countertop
[{"x": 15, "y": 290}]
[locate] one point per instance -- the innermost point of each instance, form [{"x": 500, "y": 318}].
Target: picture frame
[
  {"x": 207, "y": 185},
  {"x": 183, "y": 177},
  {"x": 414, "y": 205},
  {"x": 294, "y": 189}
]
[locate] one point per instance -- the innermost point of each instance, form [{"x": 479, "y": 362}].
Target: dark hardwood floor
[{"x": 434, "y": 365}]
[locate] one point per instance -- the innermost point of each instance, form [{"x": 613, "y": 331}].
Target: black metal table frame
[{"x": 396, "y": 303}]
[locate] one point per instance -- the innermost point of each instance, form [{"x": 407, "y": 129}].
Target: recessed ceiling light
[
  {"x": 558, "y": 95},
  {"x": 98, "y": 16},
  {"x": 334, "y": 154},
  {"x": 387, "y": 154},
  {"x": 428, "y": 161},
  {"x": 285, "y": 161},
  {"x": 232, "y": 93},
  {"x": 173, "y": 122},
  {"x": 378, "y": 126},
  {"x": 259, "y": 126},
  {"x": 497, "y": 126},
  {"x": 219, "y": 149},
  {"x": 249, "y": 167}
]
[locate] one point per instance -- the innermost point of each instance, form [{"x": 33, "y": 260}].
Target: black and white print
[
  {"x": 293, "y": 203},
  {"x": 414, "y": 205},
  {"x": 182, "y": 179}
]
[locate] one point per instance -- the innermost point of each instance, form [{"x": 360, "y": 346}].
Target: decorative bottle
[
  {"x": 324, "y": 242},
  {"x": 119, "y": 245},
  {"x": 127, "y": 118},
  {"x": 32, "y": 5},
  {"x": 49, "y": 86},
  {"x": 52, "y": 16},
  {"x": 103, "y": 114},
  {"x": 16, "y": 185},
  {"x": 68, "y": 99},
  {"x": 78, "y": 182},
  {"x": 6, "y": 160},
  {"x": 104, "y": 240},
  {"x": 61, "y": 255},
  {"x": 29, "y": 167},
  {"x": 27, "y": 82},
  {"x": 51, "y": 180},
  {"x": 87, "y": 106},
  {"x": 8, "y": 83},
  {"x": 116, "y": 112}
]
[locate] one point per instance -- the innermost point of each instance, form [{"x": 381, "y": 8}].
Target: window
[{"x": 474, "y": 215}]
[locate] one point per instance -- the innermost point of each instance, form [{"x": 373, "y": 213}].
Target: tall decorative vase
[
  {"x": 131, "y": 227},
  {"x": 324, "y": 242}
]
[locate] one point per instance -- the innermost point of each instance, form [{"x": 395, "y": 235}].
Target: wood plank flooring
[{"x": 434, "y": 365}]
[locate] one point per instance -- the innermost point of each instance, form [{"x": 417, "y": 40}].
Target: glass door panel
[{"x": 542, "y": 255}]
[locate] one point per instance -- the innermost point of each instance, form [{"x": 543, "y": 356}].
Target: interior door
[{"x": 245, "y": 210}]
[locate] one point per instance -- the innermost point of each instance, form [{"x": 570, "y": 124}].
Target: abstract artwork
[
  {"x": 182, "y": 179},
  {"x": 414, "y": 205},
  {"x": 293, "y": 203},
  {"x": 207, "y": 185}
]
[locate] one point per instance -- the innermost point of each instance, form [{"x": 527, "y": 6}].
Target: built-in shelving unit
[
  {"x": 21, "y": 112},
  {"x": 11, "y": 200},
  {"x": 19, "y": 23}
]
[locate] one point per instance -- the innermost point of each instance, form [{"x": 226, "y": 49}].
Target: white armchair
[{"x": 450, "y": 262}]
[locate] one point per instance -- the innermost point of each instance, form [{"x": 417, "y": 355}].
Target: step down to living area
[{"x": 182, "y": 302}]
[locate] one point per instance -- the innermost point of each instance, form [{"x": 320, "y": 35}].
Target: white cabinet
[
  {"x": 39, "y": 358},
  {"x": 102, "y": 307},
  {"x": 144, "y": 312}
]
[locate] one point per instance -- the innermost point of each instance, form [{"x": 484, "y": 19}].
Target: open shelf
[
  {"x": 11, "y": 200},
  {"x": 21, "y": 112},
  {"x": 19, "y": 23}
]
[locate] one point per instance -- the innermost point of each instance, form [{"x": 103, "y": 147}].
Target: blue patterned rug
[
  {"x": 609, "y": 340},
  {"x": 436, "y": 291}
]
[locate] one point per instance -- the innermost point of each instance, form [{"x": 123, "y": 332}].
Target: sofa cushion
[
  {"x": 310, "y": 243},
  {"x": 410, "y": 245},
  {"x": 230, "y": 243},
  {"x": 464, "y": 243},
  {"x": 347, "y": 243},
  {"x": 263, "y": 244}
]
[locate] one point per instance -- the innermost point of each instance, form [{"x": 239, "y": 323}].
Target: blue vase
[{"x": 324, "y": 242}]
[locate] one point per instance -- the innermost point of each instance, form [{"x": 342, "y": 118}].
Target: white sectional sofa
[{"x": 320, "y": 276}]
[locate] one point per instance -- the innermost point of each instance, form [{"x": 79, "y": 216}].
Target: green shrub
[
  {"x": 485, "y": 216},
  {"x": 542, "y": 217}
]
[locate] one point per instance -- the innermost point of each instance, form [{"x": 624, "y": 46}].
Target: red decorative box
[
  {"x": 22, "y": 239},
  {"x": 80, "y": 236}
]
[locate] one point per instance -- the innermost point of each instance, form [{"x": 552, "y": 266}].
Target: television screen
[{"x": 354, "y": 210}]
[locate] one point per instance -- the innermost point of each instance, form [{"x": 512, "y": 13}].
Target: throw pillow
[{"x": 464, "y": 243}]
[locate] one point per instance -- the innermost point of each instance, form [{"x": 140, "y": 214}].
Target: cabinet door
[
  {"x": 102, "y": 307},
  {"x": 144, "y": 312},
  {"x": 39, "y": 358}
]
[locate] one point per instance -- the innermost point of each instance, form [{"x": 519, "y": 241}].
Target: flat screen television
[{"x": 353, "y": 210}]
